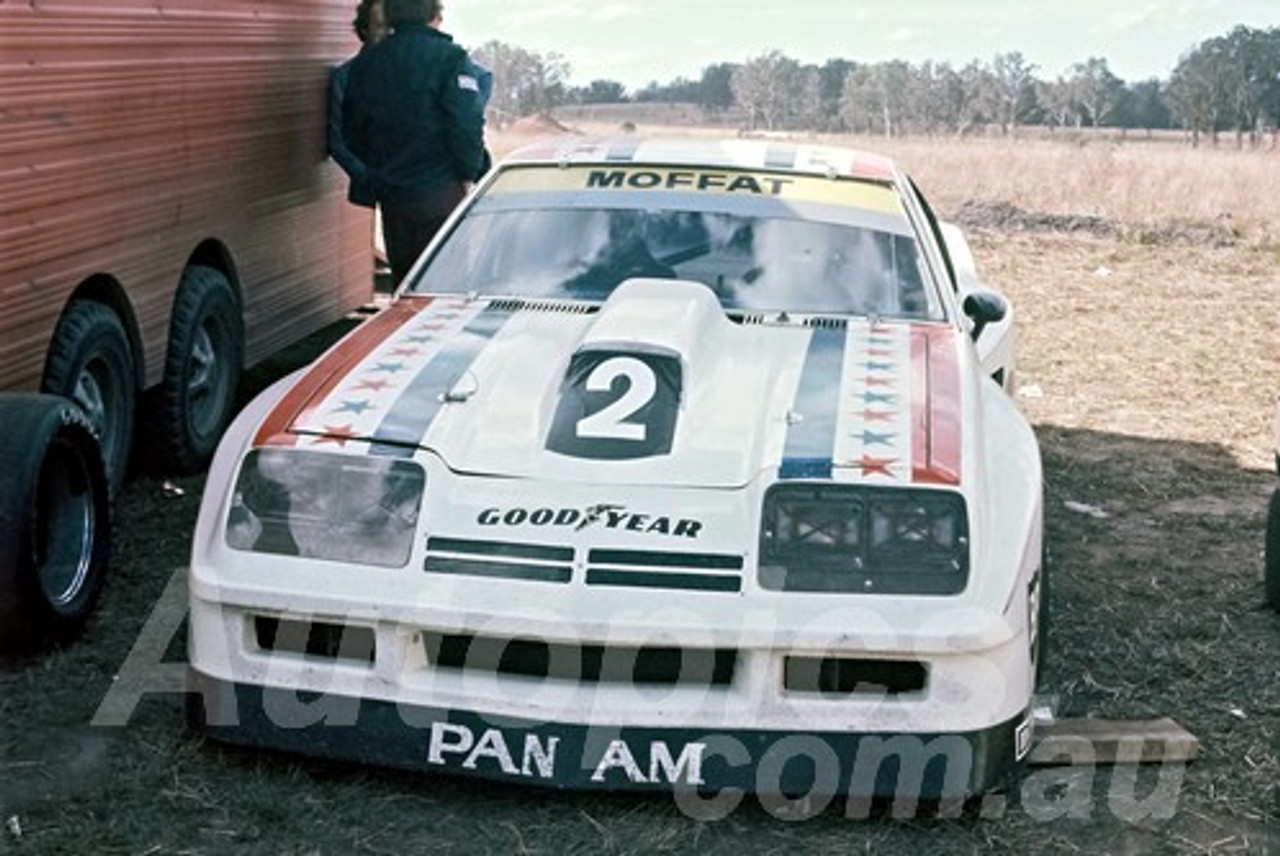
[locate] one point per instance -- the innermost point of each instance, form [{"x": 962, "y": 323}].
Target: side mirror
[{"x": 985, "y": 307}]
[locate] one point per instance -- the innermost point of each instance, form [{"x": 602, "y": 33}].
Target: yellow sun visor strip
[{"x": 762, "y": 184}]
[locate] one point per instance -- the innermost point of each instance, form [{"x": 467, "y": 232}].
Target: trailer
[{"x": 168, "y": 217}]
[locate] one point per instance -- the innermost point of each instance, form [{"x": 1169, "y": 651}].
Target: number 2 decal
[
  {"x": 617, "y": 406},
  {"x": 611, "y": 422}
]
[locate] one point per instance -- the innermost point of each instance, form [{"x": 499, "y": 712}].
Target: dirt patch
[{"x": 1007, "y": 217}]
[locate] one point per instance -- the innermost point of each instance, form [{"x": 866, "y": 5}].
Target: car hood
[{"x": 491, "y": 386}]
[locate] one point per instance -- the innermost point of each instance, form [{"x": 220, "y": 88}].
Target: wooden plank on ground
[{"x": 1088, "y": 741}]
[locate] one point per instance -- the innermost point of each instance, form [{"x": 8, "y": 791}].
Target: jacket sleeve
[
  {"x": 335, "y": 137},
  {"x": 464, "y": 115}
]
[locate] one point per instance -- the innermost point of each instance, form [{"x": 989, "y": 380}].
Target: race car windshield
[{"x": 750, "y": 260}]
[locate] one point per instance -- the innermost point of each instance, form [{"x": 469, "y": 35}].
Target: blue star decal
[
  {"x": 389, "y": 368},
  {"x": 356, "y": 407},
  {"x": 871, "y": 438},
  {"x": 877, "y": 398},
  {"x": 880, "y": 367}
]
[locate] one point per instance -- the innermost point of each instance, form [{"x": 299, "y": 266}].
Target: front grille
[
  {"x": 586, "y": 663},
  {"x": 651, "y": 569},
  {"x": 845, "y": 676},
  {"x": 500, "y": 559}
]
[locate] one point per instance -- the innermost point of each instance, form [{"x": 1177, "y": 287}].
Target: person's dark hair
[
  {"x": 412, "y": 11},
  {"x": 364, "y": 11}
]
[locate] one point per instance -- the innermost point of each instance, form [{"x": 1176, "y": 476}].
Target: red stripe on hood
[
  {"x": 325, "y": 375},
  {"x": 935, "y": 407}
]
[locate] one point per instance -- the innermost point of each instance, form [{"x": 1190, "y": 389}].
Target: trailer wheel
[
  {"x": 201, "y": 370},
  {"x": 1272, "y": 559},
  {"x": 55, "y": 510},
  {"x": 91, "y": 363}
]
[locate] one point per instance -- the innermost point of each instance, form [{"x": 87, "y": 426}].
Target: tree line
[{"x": 1226, "y": 84}]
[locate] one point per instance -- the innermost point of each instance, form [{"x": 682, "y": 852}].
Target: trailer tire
[
  {"x": 90, "y": 362},
  {"x": 197, "y": 394},
  {"x": 55, "y": 519}
]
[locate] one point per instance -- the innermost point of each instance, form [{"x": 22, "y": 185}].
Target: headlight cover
[
  {"x": 854, "y": 538},
  {"x": 342, "y": 508}
]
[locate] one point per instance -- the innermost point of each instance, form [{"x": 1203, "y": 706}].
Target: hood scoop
[{"x": 658, "y": 316}]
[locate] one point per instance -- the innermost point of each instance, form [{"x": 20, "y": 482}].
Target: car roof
[{"x": 732, "y": 153}]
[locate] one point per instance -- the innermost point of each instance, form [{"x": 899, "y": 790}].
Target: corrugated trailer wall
[{"x": 130, "y": 132}]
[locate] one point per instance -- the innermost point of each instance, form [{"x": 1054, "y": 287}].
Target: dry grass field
[{"x": 1146, "y": 282}]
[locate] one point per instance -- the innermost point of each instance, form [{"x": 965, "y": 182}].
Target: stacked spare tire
[{"x": 55, "y": 507}]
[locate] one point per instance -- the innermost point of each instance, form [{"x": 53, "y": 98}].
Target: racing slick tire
[
  {"x": 90, "y": 361},
  {"x": 196, "y": 397},
  {"x": 55, "y": 519},
  {"x": 1272, "y": 555}
]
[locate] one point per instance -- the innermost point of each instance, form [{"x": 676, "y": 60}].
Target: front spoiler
[{"x": 579, "y": 756}]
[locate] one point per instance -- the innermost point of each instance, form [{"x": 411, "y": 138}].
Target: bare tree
[
  {"x": 1096, "y": 88},
  {"x": 1012, "y": 90},
  {"x": 766, "y": 87},
  {"x": 525, "y": 82}
]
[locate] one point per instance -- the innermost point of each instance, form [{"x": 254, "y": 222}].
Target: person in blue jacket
[
  {"x": 414, "y": 117},
  {"x": 371, "y": 27}
]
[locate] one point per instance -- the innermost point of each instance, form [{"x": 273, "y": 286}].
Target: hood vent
[
  {"x": 516, "y": 304},
  {"x": 826, "y": 323}
]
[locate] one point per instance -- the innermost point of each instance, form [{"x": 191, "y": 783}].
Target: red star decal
[
  {"x": 432, "y": 326},
  {"x": 338, "y": 434},
  {"x": 875, "y": 466},
  {"x": 876, "y": 416},
  {"x": 879, "y": 352},
  {"x": 404, "y": 352},
  {"x": 374, "y": 385},
  {"x": 879, "y": 381}
]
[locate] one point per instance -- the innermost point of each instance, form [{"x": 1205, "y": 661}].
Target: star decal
[
  {"x": 877, "y": 398},
  {"x": 875, "y": 466},
  {"x": 872, "y": 438},
  {"x": 356, "y": 407},
  {"x": 419, "y": 340},
  {"x": 404, "y": 352},
  {"x": 337, "y": 434},
  {"x": 389, "y": 368},
  {"x": 371, "y": 385},
  {"x": 879, "y": 381},
  {"x": 879, "y": 352},
  {"x": 876, "y": 416},
  {"x": 880, "y": 367}
]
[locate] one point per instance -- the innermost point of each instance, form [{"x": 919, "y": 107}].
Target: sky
[{"x": 636, "y": 43}]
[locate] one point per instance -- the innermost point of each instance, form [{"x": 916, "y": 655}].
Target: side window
[{"x": 937, "y": 232}]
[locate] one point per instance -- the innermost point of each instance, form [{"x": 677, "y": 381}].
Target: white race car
[{"x": 673, "y": 465}]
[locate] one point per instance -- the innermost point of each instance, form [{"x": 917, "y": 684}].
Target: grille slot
[
  {"x": 315, "y": 639},
  {"x": 844, "y": 676},
  {"x": 499, "y": 559},
  {"x": 586, "y": 664},
  {"x": 650, "y": 569}
]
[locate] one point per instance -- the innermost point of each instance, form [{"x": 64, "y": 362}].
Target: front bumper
[{"x": 580, "y": 756}]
